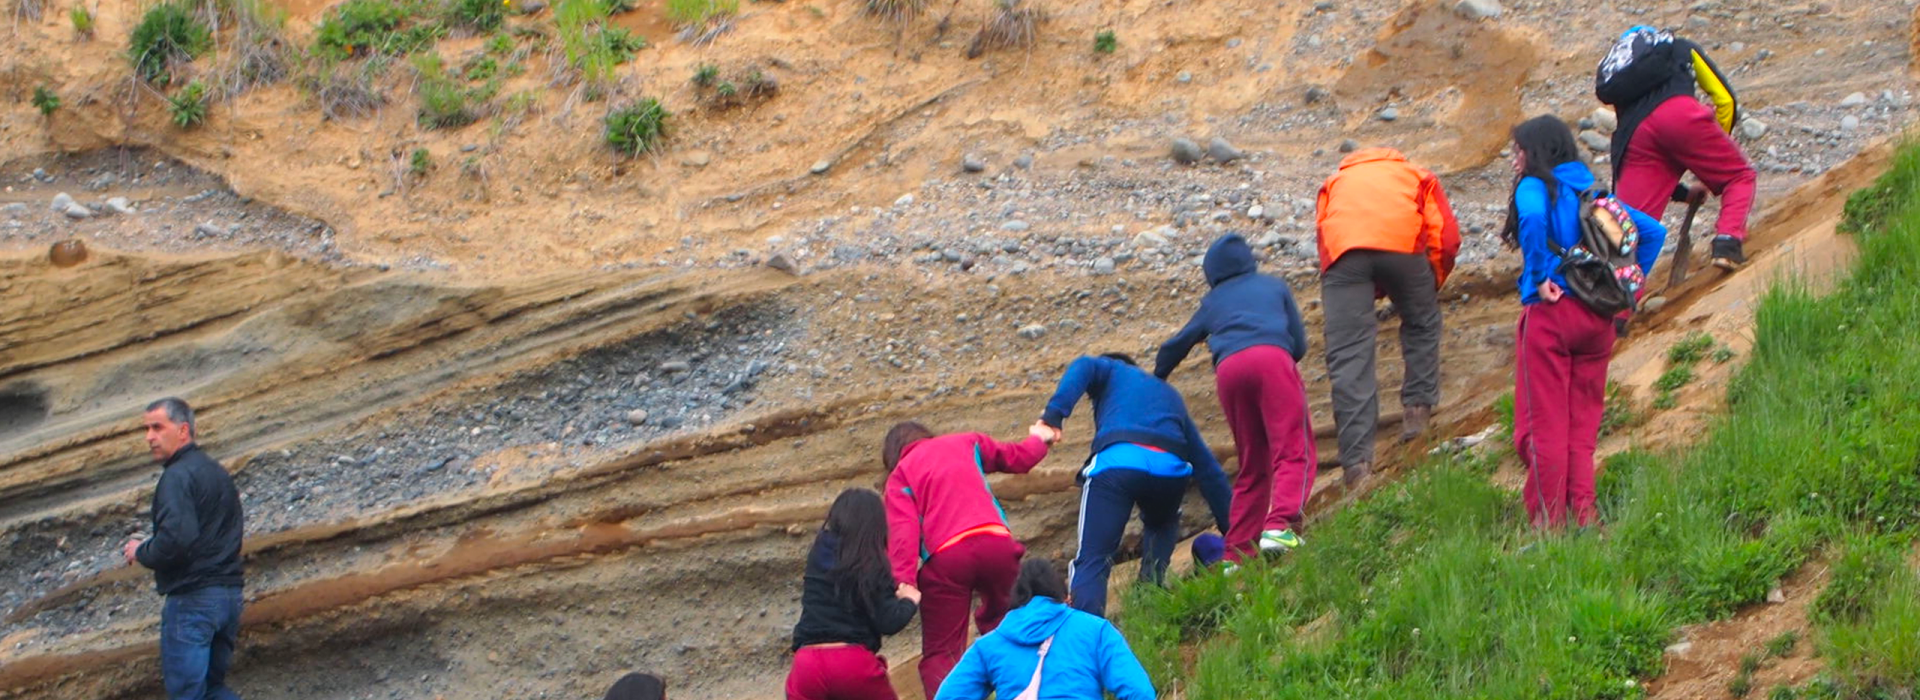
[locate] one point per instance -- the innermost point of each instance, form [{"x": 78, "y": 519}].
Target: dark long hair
[
  {"x": 1547, "y": 142},
  {"x": 1039, "y": 578},
  {"x": 860, "y": 521},
  {"x": 897, "y": 440}
]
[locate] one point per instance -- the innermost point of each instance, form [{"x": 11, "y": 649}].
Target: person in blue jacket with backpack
[
  {"x": 1145, "y": 451},
  {"x": 1562, "y": 348},
  {"x": 1045, "y": 650}
]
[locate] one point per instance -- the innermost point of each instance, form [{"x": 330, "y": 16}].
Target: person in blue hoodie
[
  {"x": 1045, "y": 650},
  {"x": 1253, "y": 327},
  {"x": 1145, "y": 450},
  {"x": 1562, "y": 348}
]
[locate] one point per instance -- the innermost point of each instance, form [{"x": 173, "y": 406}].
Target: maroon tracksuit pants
[
  {"x": 1266, "y": 406},
  {"x": 983, "y": 565},
  {"x": 1560, "y": 393},
  {"x": 849, "y": 672},
  {"x": 1680, "y": 136}
]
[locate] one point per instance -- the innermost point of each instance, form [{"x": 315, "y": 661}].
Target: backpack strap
[{"x": 1032, "y": 691}]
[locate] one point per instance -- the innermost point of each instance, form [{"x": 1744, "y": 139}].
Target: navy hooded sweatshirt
[
  {"x": 1131, "y": 406},
  {"x": 1244, "y": 309}
]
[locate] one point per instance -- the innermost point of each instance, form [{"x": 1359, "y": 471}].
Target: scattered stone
[
  {"x": 1849, "y": 123},
  {"x": 15, "y": 209},
  {"x": 1256, "y": 212},
  {"x": 1269, "y": 240},
  {"x": 671, "y": 422},
  {"x": 1752, "y": 129},
  {"x": 1186, "y": 152},
  {"x": 1604, "y": 120},
  {"x": 821, "y": 166},
  {"x": 208, "y": 230},
  {"x": 636, "y": 417},
  {"x": 696, "y": 159},
  {"x": 120, "y": 205},
  {"x": 1776, "y": 596},
  {"x": 905, "y": 200},
  {"x": 1653, "y": 305},
  {"x": 1593, "y": 140},
  {"x": 60, "y": 202},
  {"x": 1103, "y": 266},
  {"x": 1478, "y": 9},
  {"x": 1184, "y": 77},
  {"x": 1854, "y": 100},
  {"x": 1316, "y": 94},
  {"x": 1014, "y": 226},
  {"x": 1679, "y": 648},
  {"x": 973, "y": 164},
  {"x": 41, "y": 175},
  {"x": 1032, "y": 331},
  {"x": 783, "y": 263},
  {"x": 1389, "y": 114},
  {"x": 528, "y": 7},
  {"x": 1024, "y": 162},
  {"x": 1149, "y": 239},
  {"x": 675, "y": 367},
  {"x": 75, "y": 211},
  {"x": 1220, "y": 150},
  {"x": 67, "y": 253},
  {"x": 1349, "y": 145}
]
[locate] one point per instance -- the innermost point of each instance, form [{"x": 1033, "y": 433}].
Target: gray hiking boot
[
  {"x": 1353, "y": 476},
  {"x": 1414, "y": 422}
]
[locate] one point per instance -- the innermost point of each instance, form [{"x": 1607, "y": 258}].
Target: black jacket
[
  {"x": 859, "y": 614},
  {"x": 196, "y": 526},
  {"x": 1646, "y": 68}
]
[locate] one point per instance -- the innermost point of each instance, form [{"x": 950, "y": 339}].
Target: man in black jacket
[{"x": 195, "y": 557}]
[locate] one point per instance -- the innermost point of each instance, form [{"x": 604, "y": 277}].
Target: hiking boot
[
  {"x": 1413, "y": 422},
  {"x": 1354, "y": 475},
  {"x": 1727, "y": 253},
  {"x": 1279, "y": 541}
]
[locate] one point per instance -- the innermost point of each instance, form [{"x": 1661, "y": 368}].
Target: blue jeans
[
  {"x": 1106, "y": 501},
  {"x": 197, "y": 634}
]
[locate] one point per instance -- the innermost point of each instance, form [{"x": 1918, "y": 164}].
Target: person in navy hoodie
[
  {"x": 1145, "y": 450},
  {"x": 1563, "y": 347},
  {"x": 1045, "y": 650},
  {"x": 1253, "y": 327}
]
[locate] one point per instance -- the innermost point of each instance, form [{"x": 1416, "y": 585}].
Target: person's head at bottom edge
[{"x": 638, "y": 686}]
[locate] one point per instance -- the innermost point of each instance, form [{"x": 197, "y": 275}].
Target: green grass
[
  {"x": 1437, "y": 587},
  {"x": 444, "y": 102},
  {"x": 698, "y": 12},
  {"x": 1780, "y": 646},
  {"x": 1690, "y": 350},
  {"x": 1872, "y": 207},
  {"x": 420, "y": 162},
  {"x": 704, "y": 75},
  {"x": 82, "y": 20},
  {"x": 373, "y": 27},
  {"x": 1105, "y": 42},
  {"x": 478, "y": 15},
  {"x": 168, "y": 33},
  {"x": 45, "y": 100}
]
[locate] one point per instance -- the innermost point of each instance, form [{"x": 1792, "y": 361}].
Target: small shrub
[
  {"x": 500, "y": 45},
  {"x": 168, "y": 33},
  {"x": 420, "y": 162},
  {"x": 444, "y": 103},
  {"x": 1782, "y": 692},
  {"x": 344, "y": 91},
  {"x": 1503, "y": 415},
  {"x": 1690, "y": 350},
  {"x": 189, "y": 106},
  {"x": 82, "y": 20},
  {"x": 1740, "y": 685},
  {"x": 618, "y": 43},
  {"x": 28, "y": 10},
  {"x": 705, "y": 74},
  {"x": 615, "y": 7},
  {"x": 1749, "y": 664},
  {"x": 1619, "y": 412},
  {"x": 725, "y": 89},
  {"x": 45, "y": 100},
  {"x": 1105, "y": 42},
  {"x": 363, "y": 27},
  {"x": 1665, "y": 400},
  {"x": 699, "y": 12},
  {"x": 1780, "y": 646},
  {"x": 480, "y": 69},
  {"x": 637, "y": 128},
  {"x": 1723, "y": 354},
  {"x": 478, "y": 15},
  {"x": 259, "y": 53},
  {"x": 1014, "y": 23},
  {"x": 1673, "y": 379}
]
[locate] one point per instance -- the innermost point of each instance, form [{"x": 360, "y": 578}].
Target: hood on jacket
[
  {"x": 1369, "y": 155},
  {"x": 1574, "y": 174},
  {"x": 1228, "y": 258},
  {"x": 1033, "y": 623}
]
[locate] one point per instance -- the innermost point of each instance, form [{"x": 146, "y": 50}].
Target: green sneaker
[{"x": 1278, "y": 541}]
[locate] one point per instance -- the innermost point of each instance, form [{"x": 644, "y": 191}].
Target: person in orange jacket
[{"x": 1385, "y": 229}]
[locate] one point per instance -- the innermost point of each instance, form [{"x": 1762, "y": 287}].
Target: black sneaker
[{"x": 1727, "y": 254}]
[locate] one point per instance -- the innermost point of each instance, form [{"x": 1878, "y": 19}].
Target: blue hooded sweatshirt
[
  {"x": 1133, "y": 408},
  {"x": 1088, "y": 658},
  {"x": 1540, "y": 215},
  {"x": 1244, "y": 309}
]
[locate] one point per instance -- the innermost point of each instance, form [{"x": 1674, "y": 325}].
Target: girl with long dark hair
[
  {"x": 1560, "y": 369},
  {"x": 847, "y": 603}
]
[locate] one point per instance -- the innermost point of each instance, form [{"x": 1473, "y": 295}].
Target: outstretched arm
[
  {"x": 1210, "y": 477},
  {"x": 1010, "y": 457},
  {"x": 1084, "y": 374},
  {"x": 1175, "y": 350},
  {"x": 903, "y": 530}
]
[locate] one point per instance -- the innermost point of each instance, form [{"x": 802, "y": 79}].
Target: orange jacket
[{"x": 1379, "y": 201}]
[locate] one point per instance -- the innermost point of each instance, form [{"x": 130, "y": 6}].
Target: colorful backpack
[{"x": 1603, "y": 268}]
